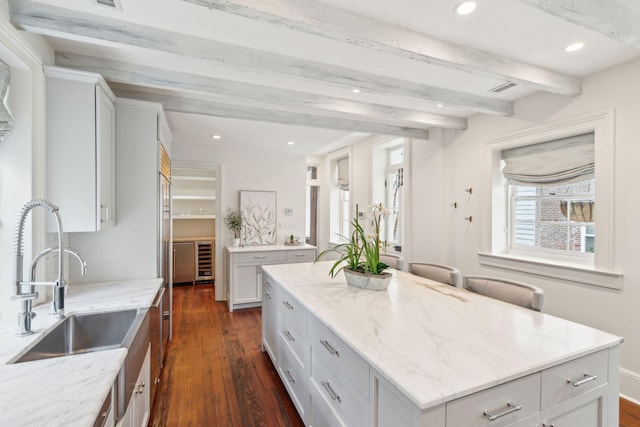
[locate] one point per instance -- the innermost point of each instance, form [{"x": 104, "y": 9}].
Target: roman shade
[
  {"x": 559, "y": 161},
  {"x": 343, "y": 173},
  {"x": 6, "y": 119}
]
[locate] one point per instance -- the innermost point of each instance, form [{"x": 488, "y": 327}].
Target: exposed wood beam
[
  {"x": 65, "y": 23},
  {"x": 326, "y": 21},
  {"x": 216, "y": 109},
  {"x": 611, "y": 18},
  {"x": 227, "y": 91}
]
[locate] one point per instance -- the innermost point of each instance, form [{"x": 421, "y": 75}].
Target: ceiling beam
[
  {"x": 337, "y": 24},
  {"x": 243, "y": 112},
  {"x": 227, "y": 91},
  {"x": 611, "y": 18},
  {"x": 66, "y": 23}
]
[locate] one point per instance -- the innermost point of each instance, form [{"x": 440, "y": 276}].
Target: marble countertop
[
  {"x": 65, "y": 391},
  {"x": 263, "y": 248},
  {"x": 193, "y": 239},
  {"x": 434, "y": 342}
]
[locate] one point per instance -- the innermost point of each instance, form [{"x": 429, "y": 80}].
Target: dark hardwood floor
[{"x": 215, "y": 373}]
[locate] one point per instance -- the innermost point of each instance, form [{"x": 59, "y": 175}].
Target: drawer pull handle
[
  {"x": 289, "y": 376},
  {"x": 260, "y": 257},
  {"x": 584, "y": 379},
  {"x": 332, "y": 393},
  {"x": 546, "y": 424},
  {"x": 266, "y": 283},
  {"x": 289, "y": 336},
  {"x": 267, "y": 294},
  {"x": 300, "y": 255},
  {"x": 287, "y": 304},
  {"x": 330, "y": 348},
  {"x": 510, "y": 409}
]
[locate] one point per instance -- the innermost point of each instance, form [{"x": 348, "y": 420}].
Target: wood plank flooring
[{"x": 215, "y": 373}]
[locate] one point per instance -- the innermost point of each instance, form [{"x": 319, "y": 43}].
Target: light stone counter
[
  {"x": 263, "y": 248},
  {"x": 434, "y": 342},
  {"x": 65, "y": 391}
]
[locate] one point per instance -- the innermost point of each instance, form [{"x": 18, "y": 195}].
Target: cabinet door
[
  {"x": 246, "y": 287},
  {"x": 270, "y": 325},
  {"x": 106, "y": 165},
  {"x": 582, "y": 413},
  {"x": 141, "y": 400}
]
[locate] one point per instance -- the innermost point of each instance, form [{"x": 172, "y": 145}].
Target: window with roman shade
[
  {"x": 552, "y": 195},
  {"x": 343, "y": 173}
]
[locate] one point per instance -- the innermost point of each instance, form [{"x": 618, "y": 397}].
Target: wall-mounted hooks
[
  {"x": 454, "y": 204},
  {"x": 468, "y": 218},
  {"x": 469, "y": 190}
]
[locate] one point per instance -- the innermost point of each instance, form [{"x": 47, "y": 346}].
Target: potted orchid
[{"x": 360, "y": 256}]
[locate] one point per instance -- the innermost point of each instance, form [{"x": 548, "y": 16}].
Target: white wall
[
  {"x": 610, "y": 310},
  {"x": 262, "y": 170},
  {"x": 21, "y": 157}
]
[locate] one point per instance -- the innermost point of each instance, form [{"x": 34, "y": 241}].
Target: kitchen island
[
  {"x": 65, "y": 391},
  {"x": 428, "y": 354}
]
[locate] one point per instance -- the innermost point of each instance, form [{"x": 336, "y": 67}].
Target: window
[
  {"x": 388, "y": 185},
  {"x": 311, "y": 222},
  {"x": 340, "y": 200},
  {"x": 548, "y": 228},
  {"x": 553, "y": 218}
]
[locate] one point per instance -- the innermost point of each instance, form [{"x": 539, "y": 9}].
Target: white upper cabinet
[{"x": 81, "y": 165}]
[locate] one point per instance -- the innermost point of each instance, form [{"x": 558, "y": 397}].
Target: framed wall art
[{"x": 259, "y": 222}]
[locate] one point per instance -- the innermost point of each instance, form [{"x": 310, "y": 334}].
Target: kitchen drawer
[
  {"x": 347, "y": 403},
  {"x": 339, "y": 355},
  {"x": 302, "y": 255},
  {"x": 294, "y": 378},
  {"x": 295, "y": 340},
  {"x": 321, "y": 414},
  {"x": 558, "y": 382},
  {"x": 265, "y": 257},
  {"x": 470, "y": 410},
  {"x": 269, "y": 290},
  {"x": 292, "y": 310}
]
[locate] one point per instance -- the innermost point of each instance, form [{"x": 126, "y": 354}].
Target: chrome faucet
[{"x": 26, "y": 314}]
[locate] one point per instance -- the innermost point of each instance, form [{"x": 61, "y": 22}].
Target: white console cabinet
[
  {"x": 81, "y": 119},
  {"x": 243, "y": 274}
]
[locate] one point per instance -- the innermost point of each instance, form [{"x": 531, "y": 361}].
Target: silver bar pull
[
  {"x": 330, "y": 348},
  {"x": 510, "y": 409},
  {"x": 289, "y": 336},
  {"x": 290, "y": 378},
  {"x": 266, "y": 283},
  {"x": 585, "y": 379},
  {"x": 260, "y": 257},
  {"x": 300, "y": 255},
  {"x": 546, "y": 424},
  {"x": 287, "y": 304},
  {"x": 332, "y": 393},
  {"x": 267, "y": 294}
]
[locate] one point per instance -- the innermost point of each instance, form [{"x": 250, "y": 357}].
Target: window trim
[{"x": 495, "y": 237}]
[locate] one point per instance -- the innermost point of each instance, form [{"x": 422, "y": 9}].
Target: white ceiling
[{"x": 500, "y": 31}]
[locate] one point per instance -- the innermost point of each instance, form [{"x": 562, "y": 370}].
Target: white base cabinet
[
  {"x": 332, "y": 385},
  {"x": 139, "y": 408},
  {"x": 243, "y": 274}
]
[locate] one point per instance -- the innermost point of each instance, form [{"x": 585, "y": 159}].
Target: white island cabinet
[
  {"x": 243, "y": 274},
  {"x": 81, "y": 120},
  {"x": 424, "y": 354}
]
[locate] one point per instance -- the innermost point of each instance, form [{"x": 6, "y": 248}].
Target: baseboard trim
[{"x": 630, "y": 385}]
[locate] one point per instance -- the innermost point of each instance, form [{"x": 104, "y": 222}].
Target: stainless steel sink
[{"x": 84, "y": 333}]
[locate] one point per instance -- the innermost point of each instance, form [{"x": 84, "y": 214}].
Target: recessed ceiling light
[
  {"x": 574, "y": 47},
  {"x": 466, "y": 7},
  {"x": 355, "y": 90},
  {"x": 440, "y": 105},
  {"x": 215, "y": 136},
  {"x": 290, "y": 142}
]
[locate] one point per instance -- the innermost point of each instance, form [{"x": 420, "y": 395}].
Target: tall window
[
  {"x": 387, "y": 188},
  {"x": 393, "y": 195},
  {"x": 312, "y": 205},
  {"x": 551, "y": 195},
  {"x": 339, "y": 203}
]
